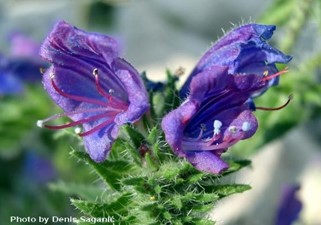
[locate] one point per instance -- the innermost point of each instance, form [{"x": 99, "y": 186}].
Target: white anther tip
[
  {"x": 77, "y": 130},
  {"x": 217, "y": 124},
  {"x": 246, "y": 126},
  {"x": 95, "y": 72},
  {"x": 40, "y": 123}
]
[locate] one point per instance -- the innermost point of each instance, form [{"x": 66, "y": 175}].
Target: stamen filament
[
  {"x": 266, "y": 78},
  {"x": 101, "y": 91},
  {"x": 59, "y": 115},
  {"x": 78, "y": 122},
  {"x": 205, "y": 146},
  {"x": 100, "y": 126},
  {"x": 276, "y": 108},
  {"x": 75, "y": 97}
]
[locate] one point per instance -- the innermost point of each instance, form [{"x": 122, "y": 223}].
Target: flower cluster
[{"x": 100, "y": 91}]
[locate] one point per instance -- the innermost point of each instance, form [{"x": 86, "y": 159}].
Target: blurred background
[{"x": 156, "y": 35}]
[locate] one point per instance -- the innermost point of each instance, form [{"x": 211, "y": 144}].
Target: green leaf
[
  {"x": 235, "y": 166},
  {"x": 85, "y": 191},
  {"x": 117, "y": 209},
  {"x": 133, "y": 135},
  {"x": 171, "y": 96},
  {"x": 153, "y": 135},
  {"x": 110, "y": 171},
  {"x": 229, "y": 189}
]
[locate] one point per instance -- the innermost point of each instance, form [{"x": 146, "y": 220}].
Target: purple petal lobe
[
  {"x": 174, "y": 123},
  {"x": 65, "y": 38},
  {"x": 207, "y": 162}
]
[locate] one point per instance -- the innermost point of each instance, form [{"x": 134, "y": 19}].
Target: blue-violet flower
[
  {"x": 22, "y": 64},
  {"x": 243, "y": 50},
  {"x": 94, "y": 87},
  {"x": 289, "y": 206},
  {"x": 217, "y": 112}
]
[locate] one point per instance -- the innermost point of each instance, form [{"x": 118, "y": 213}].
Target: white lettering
[{"x": 43, "y": 220}]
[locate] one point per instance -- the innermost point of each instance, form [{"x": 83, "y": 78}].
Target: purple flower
[
  {"x": 38, "y": 168},
  {"x": 23, "y": 64},
  {"x": 243, "y": 50},
  {"x": 215, "y": 116},
  {"x": 289, "y": 206},
  {"x": 23, "y": 46},
  {"x": 9, "y": 83},
  {"x": 217, "y": 112},
  {"x": 96, "y": 89}
]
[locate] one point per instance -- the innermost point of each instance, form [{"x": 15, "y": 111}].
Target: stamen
[
  {"x": 79, "y": 122},
  {"x": 56, "y": 116},
  {"x": 75, "y": 97},
  {"x": 111, "y": 99},
  {"x": 40, "y": 123},
  {"x": 205, "y": 146},
  {"x": 78, "y": 130},
  {"x": 277, "y": 108},
  {"x": 217, "y": 127},
  {"x": 99, "y": 88},
  {"x": 100, "y": 126},
  {"x": 266, "y": 77}
]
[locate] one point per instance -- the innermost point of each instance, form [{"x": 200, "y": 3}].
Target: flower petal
[
  {"x": 206, "y": 162},
  {"x": 208, "y": 83},
  {"x": 137, "y": 95},
  {"x": 99, "y": 143},
  {"x": 174, "y": 123},
  {"x": 289, "y": 206},
  {"x": 238, "y": 49},
  {"x": 67, "y": 39}
]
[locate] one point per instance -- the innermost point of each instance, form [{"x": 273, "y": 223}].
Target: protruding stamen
[
  {"x": 265, "y": 73},
  {"x": 266, "y": 77},
  {"x": 52, "y": 75},
  {"x": 246, "y": 126},
  {"x": 276, "y": 108},
  {"x": 217, "y": 127},
  {"x": 79, "y": 122},
  {"x": 40, "y": 123},
  {"x": 78, "y": 130},
  {"x": 111, "y": 99},
  {"x": 93, "y": 130},
  {"x": 75, "y": 97}
]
